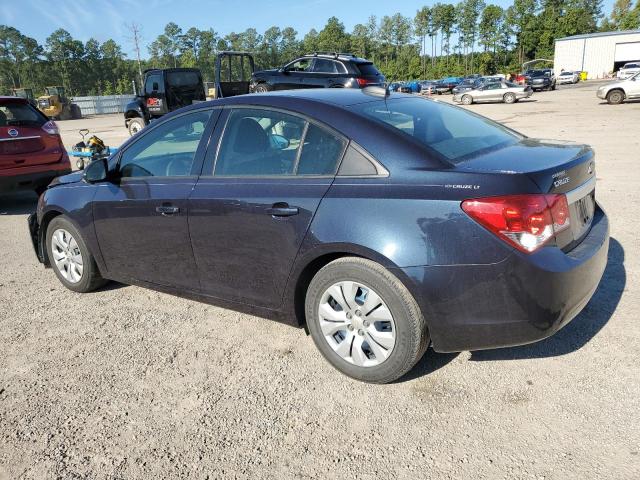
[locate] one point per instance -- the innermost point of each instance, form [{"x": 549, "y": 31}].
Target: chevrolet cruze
[{"x": 383, "y": 223}]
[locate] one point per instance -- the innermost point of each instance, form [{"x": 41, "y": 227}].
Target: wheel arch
[
  {"x": 312, "y": 262},
  {"x": 47, "y": 217}
]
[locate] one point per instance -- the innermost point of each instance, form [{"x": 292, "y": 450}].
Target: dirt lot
[{"x": 130, "y": 383}]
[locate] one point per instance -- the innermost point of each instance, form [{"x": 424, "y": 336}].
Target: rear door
[
  {"x": 140, "y": 219},
  {"x": 255, "y": 200},
  {"x": 325, "y": 73},
  {"x": 23, "y": 142}
]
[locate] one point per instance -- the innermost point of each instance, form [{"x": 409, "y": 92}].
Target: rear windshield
[
  {"x": 183, "y": 79},
  {"x": 367, "y": 69},
  {"x": 454, "y": 133},
  {"x": 20, "y": 115}
]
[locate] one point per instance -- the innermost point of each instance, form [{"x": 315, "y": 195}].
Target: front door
[
  {"x": 295, "y": 74},
  {"x": 141, "y": 217},
  {"x": 253, "y": 205}
]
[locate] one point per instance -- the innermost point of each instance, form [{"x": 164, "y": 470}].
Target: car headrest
[
  {"x": 3, "y": 119},
  {"x": 250, "y": 137}
]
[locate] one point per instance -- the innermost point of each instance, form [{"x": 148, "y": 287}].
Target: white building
[{"x": 598, "y": 54}]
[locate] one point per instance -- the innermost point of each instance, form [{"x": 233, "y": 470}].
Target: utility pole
[{"x": 136, "y": 39}]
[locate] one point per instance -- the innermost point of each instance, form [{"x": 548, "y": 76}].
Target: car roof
[
  {"x": 7, "y": 99},
  {"x": 331, "y": 106}
]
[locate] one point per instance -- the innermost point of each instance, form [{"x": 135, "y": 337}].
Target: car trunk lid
[{"x": 556, "y": 167}]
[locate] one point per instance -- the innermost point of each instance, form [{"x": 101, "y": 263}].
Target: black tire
[
  {"x": 553, "y": 87},
  {"x": 263, "y": 88},
  {"x": 412, "y": 336},
  {"x": 466, "y": 99},
  {"x": 135, "y": 125},
  {"x": 509, "y": 97},
  {"x": 90, "y": 279},
  {"x": 76, "y": 113},
  {"x": 615, "y": 97},
  {"x": 65, "y": 114}
]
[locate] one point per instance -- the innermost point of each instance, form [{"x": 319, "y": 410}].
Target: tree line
[{"x": 470, "y": 36}]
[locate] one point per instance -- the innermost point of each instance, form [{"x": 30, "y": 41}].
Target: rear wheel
[
  {"x": 65, "y": 114},
  {"x": 509, "y": 97},
  {"x": 70, "y": 258},
  {"x": 135, "y": 125},
  {"x": 615, "y": 97},
  {"x": 263, "y": 88},
  {"x": 467, "y": 100},
  {"x": 364, "y": 321}
]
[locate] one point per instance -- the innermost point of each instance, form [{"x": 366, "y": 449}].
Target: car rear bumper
[
  {"x": 32, "y": 180},
  {"x": 522, "y": 299}
]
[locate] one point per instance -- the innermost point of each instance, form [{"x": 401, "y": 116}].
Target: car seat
[{"x": 3, "y": 119}]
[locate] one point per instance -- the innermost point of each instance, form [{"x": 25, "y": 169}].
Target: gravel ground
[{"x": 130, "y": 383}]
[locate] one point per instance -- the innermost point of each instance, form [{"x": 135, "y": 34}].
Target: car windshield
[
  {"x": 452, "y": 132},
  {"x": 20, "y": 115}
]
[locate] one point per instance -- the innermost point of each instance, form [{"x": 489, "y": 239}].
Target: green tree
[{"x": 333, "y": 37}]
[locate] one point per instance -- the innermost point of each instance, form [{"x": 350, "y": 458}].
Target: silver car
[
  {"x": 568, "y": 77},
  {"x": 494, "y": 92}
]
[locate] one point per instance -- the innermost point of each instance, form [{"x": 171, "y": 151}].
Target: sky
[{"x": 105, "y": 19}]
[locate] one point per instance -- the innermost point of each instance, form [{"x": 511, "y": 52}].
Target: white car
[
  {"x": 628, "y": 70},
  {"x": 617, "y": 92},
  {"x": 568, "y": 77}
]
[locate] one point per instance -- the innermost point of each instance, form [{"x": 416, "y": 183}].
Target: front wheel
[
  {"x": 364, "y": 321},
  {"x": 467, "y": 100},
  {"x": 263, "y": 88},
  {"x": 509, "y": 98},
  {"x": 70, "y": 258},
  {"x": 615, "y": 97},
  {"x": 135, "y": 125}
]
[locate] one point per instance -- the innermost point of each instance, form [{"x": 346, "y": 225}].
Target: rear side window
[
  {"x": 183, "y": 79},
  {"x": 454, "y": 133},
  {"x": 367, "y": 69},
  {"x": 262, "y": 142},
  {"x": 322, "y": 65},
  {"x": 20, "y": 115},
  {"x": 320, "y": 153},
  {"x": 153, "y": 84}
]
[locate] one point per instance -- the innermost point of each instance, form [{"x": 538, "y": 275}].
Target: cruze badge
[{"x": 13, "y": 132}]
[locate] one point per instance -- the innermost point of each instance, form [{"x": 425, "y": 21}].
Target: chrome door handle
[{"x": 167, "y": 210}]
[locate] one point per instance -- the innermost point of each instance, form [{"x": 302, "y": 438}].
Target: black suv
[
  {"x": 319, "y": 70},
  {"x": 164, "y": 91},
  {"x": 541, "y": 79}
]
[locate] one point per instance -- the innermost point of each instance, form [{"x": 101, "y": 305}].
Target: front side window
[
  {"x": 302, "y": 65},
  {"x": 153, "y": 84},
  {"x": 454, "y": 133},
  {"x": 259, "y": 142},
  {"x": 167, "y": 150}
]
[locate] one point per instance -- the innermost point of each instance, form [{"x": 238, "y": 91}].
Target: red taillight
[
  {"x": 363, "y": 82},
  {"x": 51, "y": 128},
  {"x": 525, "y": 221}
]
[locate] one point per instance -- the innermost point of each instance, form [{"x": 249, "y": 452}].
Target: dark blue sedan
[{"x": 382, "y": 222}]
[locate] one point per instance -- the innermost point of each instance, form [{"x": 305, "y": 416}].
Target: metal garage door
[{"x": 627, "y": 52}]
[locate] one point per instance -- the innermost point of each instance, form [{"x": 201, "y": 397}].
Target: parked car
[
  {"x": 465, "y": 85},
  {"x": 619, "y": 91},
  {"x": 395, "y": 86},
  {"x": 383, "y": 222},
  {"x": 446, "y": 85},
  {"x": 428, "y": 87},
  {"x": 628, "y": 70},
  {"x": 164, "y": 91},
  {"x": 541, "y": 79},
  {"x": 31, "y": 150},
  {"x": 319, "y": 70},
  {"x": 568, "y": 77},
  {"x": 502, "y": 92}
]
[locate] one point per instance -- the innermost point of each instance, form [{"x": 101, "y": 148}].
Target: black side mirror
[{"x": 96, "y": 171}]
